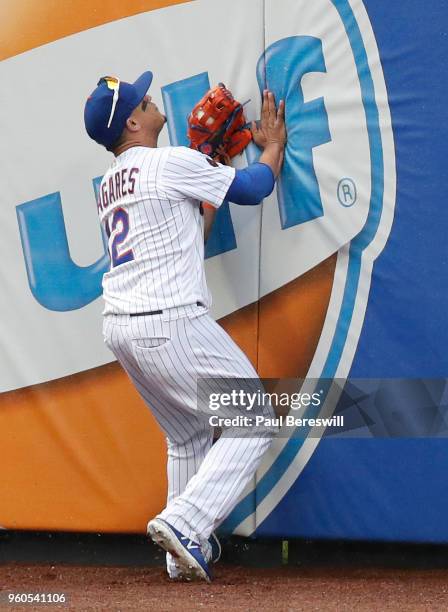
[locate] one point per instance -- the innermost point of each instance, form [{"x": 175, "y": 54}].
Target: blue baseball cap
[{"x": 110, "y": 105}]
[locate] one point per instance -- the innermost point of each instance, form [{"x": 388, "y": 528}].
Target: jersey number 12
[{"x": 120, "y": 220}]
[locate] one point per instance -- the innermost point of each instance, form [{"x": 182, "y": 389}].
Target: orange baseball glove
[{"x": 217, "y": 121}]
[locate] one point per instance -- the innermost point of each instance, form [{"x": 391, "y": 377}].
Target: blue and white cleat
[{"x": 187, "y": 554}]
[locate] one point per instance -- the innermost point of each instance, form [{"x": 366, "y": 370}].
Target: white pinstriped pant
[{"x": 165, "y": 355}]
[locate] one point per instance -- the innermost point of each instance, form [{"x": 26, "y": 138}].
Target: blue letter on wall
[
  {"x": 55, "y": 280},
  {"x": 179, "y": 99},
  {"x": 281, "y": 68}
]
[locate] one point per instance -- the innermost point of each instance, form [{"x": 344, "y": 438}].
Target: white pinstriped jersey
[{"x": 148, "y": 204}]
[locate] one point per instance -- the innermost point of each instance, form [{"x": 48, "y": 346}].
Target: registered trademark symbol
[{"x": 347, "y": 193}]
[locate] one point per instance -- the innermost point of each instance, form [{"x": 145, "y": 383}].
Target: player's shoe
[
  {"x": 188, "y": 554},
  {"x": 211, "y": 549}
]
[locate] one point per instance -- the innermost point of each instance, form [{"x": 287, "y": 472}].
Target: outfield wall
[{"x": 341, "y": 272}]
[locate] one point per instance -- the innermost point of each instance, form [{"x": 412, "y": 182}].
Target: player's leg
[
  {"x": 227, "y": 468},
  {"x": 188, "y": 438},
  {"x": 184, "y": 460},
  {"x": 187, "y": 444}
]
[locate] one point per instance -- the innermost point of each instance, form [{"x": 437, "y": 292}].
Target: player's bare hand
[{"x": 271, "y": 128}]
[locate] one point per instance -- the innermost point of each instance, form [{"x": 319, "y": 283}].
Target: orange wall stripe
[
  {"x": 26, "y": 24},
  {"x": 291, "y": 321},
  {"x": 82, "y": 453},
  {"x": 242, "y": 325}
]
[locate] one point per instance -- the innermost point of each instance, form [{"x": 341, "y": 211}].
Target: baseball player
[{"x": 156, "y": 316}]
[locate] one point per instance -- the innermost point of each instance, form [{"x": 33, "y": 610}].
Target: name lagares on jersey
[{"x": 117, "y": 184}]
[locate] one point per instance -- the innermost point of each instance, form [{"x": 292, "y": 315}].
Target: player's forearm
[
  {"x": 209, "y": 216},
  {"x": 272, "y": 156}
]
